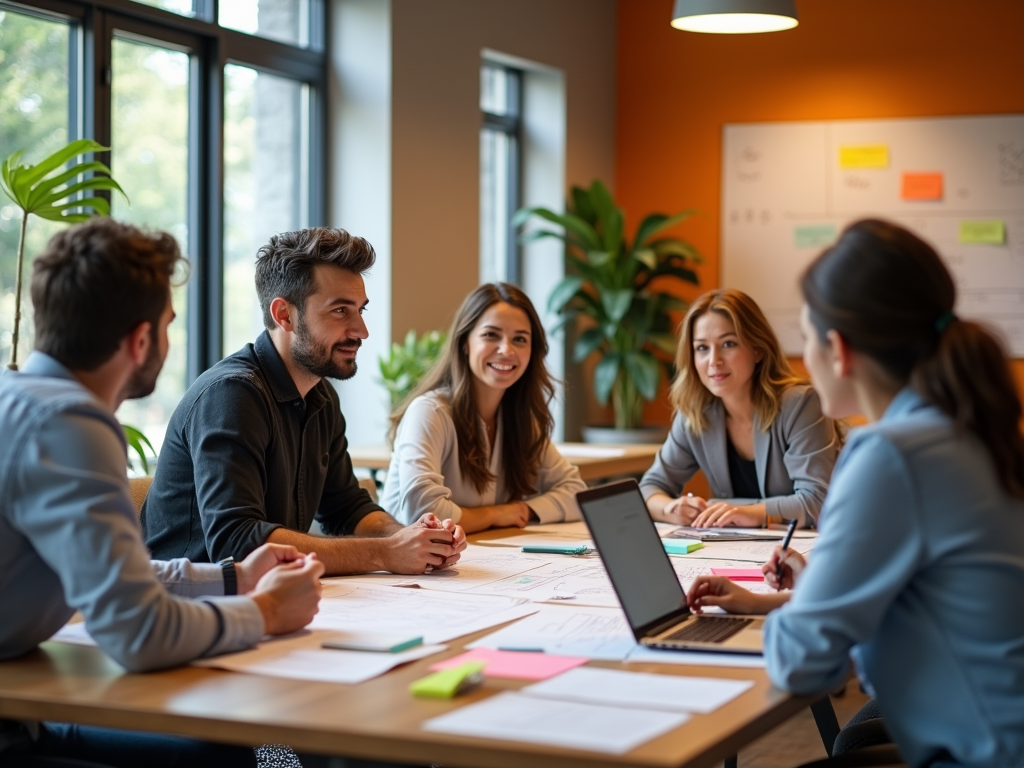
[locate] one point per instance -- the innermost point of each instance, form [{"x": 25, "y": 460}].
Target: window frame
[
  {"x": 211, "y": 48},
  {"x": 511, "y": 124}
]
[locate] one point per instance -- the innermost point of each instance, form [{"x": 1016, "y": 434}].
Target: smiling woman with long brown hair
[{"x": 472, "y": 443}]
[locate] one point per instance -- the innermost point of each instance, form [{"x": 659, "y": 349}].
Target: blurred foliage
[
  {"x": 406, "y": 363},
  {"x": 34, "y": 116}
]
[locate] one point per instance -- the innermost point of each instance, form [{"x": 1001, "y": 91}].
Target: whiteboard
[{"x": 788, "y": 189}]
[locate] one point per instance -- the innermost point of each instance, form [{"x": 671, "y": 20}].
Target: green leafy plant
[
  {"x": 50, "y": 193},
  {"x": 406, "y": 363},
  {"x": 138, "y": 442},
  {"x": 618, "y": 285}
]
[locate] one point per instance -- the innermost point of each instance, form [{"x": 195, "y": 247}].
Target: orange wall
[{"x": 848, "y": 59}]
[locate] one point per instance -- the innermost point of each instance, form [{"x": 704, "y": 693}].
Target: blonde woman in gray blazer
[{"x": 746, "y": 419}]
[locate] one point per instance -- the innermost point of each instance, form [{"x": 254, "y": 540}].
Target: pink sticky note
[
  {"x": 739, "y": 574},
  {"x": 522, "y": 665}
]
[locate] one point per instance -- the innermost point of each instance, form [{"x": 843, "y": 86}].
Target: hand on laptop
[
  {"x": 731, "y": 597},
  {"x": 288, "y": 595}
]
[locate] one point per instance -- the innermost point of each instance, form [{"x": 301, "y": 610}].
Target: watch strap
[{"x": 227, "y": 567}]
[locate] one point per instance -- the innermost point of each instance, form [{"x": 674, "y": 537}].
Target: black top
[
  {"x": 743, "y": 474},
  {"x": 245, "y": 454}
]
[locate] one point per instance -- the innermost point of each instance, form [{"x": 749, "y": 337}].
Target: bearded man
[{"x": 256, "y": 450}]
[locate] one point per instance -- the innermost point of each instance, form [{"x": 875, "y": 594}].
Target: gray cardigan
[{"x": 793, "y": 457}]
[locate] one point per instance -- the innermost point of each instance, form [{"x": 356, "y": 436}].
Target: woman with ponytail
[{"x": 919, "y": 568}]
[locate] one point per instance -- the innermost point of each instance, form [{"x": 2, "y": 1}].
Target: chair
[
  {"x": 367, "y": 484},
  {"x": 370, "y": 486},
  {"x": 878, "y": 755},
  {"x": 138, "y": 487}
]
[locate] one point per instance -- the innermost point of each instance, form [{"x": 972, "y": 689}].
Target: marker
[{"x": 785, "y": 545}]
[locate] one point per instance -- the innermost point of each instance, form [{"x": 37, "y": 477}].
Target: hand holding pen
[{"x": 785, "y": 565}]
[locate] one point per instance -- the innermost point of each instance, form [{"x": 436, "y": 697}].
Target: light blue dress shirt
[
  {"x": 918, "y": 574},
  {"x": 70, "y": 539}
]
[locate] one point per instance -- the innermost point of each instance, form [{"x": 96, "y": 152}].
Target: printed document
[
  {"x": 515, "y": 717},
  {"x": 436, "y": 616},
  {"x": 643, "y": 690}
]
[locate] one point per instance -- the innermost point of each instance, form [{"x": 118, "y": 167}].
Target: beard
[
  {"x": 317, "y": 358},
  {"x": 143, "y": 381}
]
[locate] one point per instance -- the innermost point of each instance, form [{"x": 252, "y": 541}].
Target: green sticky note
[
  {"x": 814, "y": 235},
  {"x": 986, "y": 232},
  {"x": 449, "y": 682},
  {"x": 681, "y": 546}
]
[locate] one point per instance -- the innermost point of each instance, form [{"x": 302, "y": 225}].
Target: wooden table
[
  {"x": 377, "y": 719},
  {"x": 595, "y": 462}
]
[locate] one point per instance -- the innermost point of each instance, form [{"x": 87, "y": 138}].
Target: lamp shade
[{"x": 734, "y": 16}]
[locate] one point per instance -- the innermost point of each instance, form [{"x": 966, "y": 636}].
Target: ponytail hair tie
[{"x": 943, "y": 322}]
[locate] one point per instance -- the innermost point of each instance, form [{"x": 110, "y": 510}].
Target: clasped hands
[{"x": 429, "y": 544}]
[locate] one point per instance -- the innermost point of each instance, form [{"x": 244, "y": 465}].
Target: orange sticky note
[{"x": 921, "y": 186}]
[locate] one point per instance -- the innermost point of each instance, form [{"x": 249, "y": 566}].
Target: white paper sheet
[
  {"x": 533, "y": 538},
  {"x": 515, "y": 717},
  {"x": 594, "y": 633},
  {"x": 642, "y": 653},
  {"x": 478, "y": 567},
  {"x": 748, "y": 551},
  {"x": 74, "y": 634},
  {"x": 584, "y": 581},
  {"x": 579, "y": 578},
  {"x": 436, "y": 616},
  {"x": 642, "y": 690},
  {"x": 300, "y": 657}
]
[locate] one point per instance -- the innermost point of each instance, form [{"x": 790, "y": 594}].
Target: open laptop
[{"x": 647, "y": 585}]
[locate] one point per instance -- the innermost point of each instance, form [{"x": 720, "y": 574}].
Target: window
[
  {"x": 500, "y": 102},
  {"x": 215, "y": 135}
]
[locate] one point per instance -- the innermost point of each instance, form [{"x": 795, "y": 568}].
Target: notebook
[
  {"x": 721, "y": 534},
  {"x": 647, "y": 586}
]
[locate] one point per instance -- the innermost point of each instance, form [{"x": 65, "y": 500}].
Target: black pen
[{"x": 785, "y": 545}]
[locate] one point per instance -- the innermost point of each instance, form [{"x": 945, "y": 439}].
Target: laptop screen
[{"x": 633, "y": 554}]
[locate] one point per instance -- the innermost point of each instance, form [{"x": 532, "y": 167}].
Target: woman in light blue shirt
[{"x": 919, "y": 569}]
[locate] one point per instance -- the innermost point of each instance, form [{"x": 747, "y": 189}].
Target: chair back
[{"x": 138, "y": 487}]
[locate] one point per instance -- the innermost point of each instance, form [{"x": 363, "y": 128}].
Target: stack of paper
[{"x": 600, "y": 710}]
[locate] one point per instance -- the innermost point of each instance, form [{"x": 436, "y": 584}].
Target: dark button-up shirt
[{"x": 245, "y": 454}]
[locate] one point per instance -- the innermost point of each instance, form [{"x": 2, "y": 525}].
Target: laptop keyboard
[{"x": 707, "y": 629}]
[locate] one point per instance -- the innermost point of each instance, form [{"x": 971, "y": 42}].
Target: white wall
[{"x": 435, "y": 51}]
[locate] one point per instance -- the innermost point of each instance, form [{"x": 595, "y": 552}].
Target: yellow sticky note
[
  {"x": 864, "y": 156},
  {"x": 987, "y": 232}
]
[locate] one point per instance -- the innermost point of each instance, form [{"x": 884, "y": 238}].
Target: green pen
[{"x": 557, "y": 549}]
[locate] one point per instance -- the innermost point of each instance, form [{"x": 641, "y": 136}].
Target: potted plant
[
  {"x": 36, "y": 190},
  {"x": 49, "y": 191},
  {"x": 406, "y": 363},
  {"x": 615, "y": 290}
]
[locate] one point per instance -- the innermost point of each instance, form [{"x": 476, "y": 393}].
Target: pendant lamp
[{"x": 734, "y": 16}]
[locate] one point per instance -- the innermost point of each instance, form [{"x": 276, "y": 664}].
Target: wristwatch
[{"x": 227, "y": 567}]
